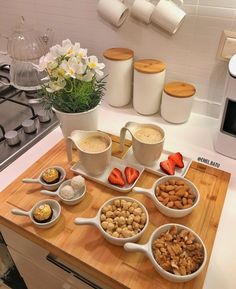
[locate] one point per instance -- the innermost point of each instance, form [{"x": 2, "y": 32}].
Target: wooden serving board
[{"x": 84, "y": 246}]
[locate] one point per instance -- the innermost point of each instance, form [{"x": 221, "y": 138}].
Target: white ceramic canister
[
  {"x": 177, "y": 100},
  {"x": 149, "y": 79},
  {"x": 119, "y": 67}
]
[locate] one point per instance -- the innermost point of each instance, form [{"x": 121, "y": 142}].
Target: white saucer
[
  {"x": 103, "y": 179},
  {"x": 155, "y": 168}
]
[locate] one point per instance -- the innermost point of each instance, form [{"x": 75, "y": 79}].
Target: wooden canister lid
[
  {"x": 149, "y": 66},
  {"x": 179, "y": 89},
  {"x": 118, "y": 54}
]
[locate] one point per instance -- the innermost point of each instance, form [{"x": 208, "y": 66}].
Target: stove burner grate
[{"x": 23, "y": 122}]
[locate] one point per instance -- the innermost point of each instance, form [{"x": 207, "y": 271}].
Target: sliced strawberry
[
  {"x": 168, "y": 167},
  {"x": 131, "y": 174},
  {"x": 177, "y": 158},
  {"x": 116, "y": 177}
]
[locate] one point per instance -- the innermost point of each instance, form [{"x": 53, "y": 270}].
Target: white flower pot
[{"x": 87, "y": 120}]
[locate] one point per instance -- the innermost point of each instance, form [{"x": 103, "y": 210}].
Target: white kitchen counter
[{"x": 193, "y": 139}]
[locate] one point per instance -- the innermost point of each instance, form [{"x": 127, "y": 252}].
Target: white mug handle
[
  {"x": 69, "y": 144},
  {"x": 178, "y": 2}
]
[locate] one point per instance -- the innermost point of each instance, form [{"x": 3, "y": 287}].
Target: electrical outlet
[{"x": 227, "y": 45}]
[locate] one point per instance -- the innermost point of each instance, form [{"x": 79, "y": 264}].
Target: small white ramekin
[
  {"x": 147, "y": 250},
  {"x": 97, "y": 223},
  {"x": 169, "y": 212}
]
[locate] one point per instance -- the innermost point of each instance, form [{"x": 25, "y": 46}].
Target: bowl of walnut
[
  {"x": 173, "y": 196},
  {"x": 120, "y": 220},
  {"x": 177, "y": 253}
]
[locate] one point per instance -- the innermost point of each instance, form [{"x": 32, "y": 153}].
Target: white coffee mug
[
  {"x": 113, "y": 11},
  {"x": 93, "y": 162},
  {"x": 168, "y": 15},
  {"x": 146, "y": 153},
  {"x": 142, "y": 10}
]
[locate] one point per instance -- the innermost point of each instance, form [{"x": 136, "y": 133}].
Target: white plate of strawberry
[
  {"x": 170, "y": 163},
  {"x": 121, "y": 175}
]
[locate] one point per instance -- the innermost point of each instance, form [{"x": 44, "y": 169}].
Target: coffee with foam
[{"x": 148, "y": 135}]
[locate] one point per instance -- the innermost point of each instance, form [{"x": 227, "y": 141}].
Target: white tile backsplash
[
  {"x": 191, "y": 2},
  {"x": 216, "y": 12},
  {"x": 190, "y": 54},
  {"x": 190, "y": 9},
  {"x": 218, "y": 3}
]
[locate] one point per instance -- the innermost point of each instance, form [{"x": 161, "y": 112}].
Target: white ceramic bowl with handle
[
  {"x": 147, "y": 250},
  {"x": 169, "y": 212},
  {"x": 97, "y": 223},
  {"x": 77, "y": 199},
  {"x": 56, "y": 208},
  {"x": 50, "y": 187}
]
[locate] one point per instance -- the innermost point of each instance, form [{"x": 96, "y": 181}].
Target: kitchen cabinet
[
  {"x": 39, "y": 268},
  {"x": 35, "y": 277}
]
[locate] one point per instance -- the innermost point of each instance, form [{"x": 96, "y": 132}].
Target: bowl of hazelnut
[
  {"x": 120, "y": 220},
  {"x": 177, "y": 253},
  {"x": 173, "y": 196}
]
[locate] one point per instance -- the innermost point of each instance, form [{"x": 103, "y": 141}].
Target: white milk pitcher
[{"x": 94, "y": 162}]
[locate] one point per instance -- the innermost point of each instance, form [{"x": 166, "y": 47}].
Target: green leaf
[{"x": 77, "y": 96}]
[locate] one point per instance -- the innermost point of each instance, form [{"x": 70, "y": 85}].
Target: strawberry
[
  {"x": 168, "y": 167},
  {"x": 116, "y": 178},
  {"x": 177, "y": 158},
  {"x": 131, "y": 174}
]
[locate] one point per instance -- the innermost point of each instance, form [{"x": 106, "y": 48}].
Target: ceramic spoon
[
  {"x": 20, "y": 212},
  {"x": 147, "y": 250},
  {"x": 50, "y": 187},
  {"x": 29, "y": 181},
  {"x": 73, "y": 201},
  {"x": 52, "y": 203},
  {"x": 169, "y": 212},
  {"x": 29, "y": 214},
  {"x": 97, "y": 223}
]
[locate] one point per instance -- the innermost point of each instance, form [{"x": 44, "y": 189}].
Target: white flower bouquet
[{"x": 74, "y": 80}]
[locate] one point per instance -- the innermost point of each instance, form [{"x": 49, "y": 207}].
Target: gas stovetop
[{"x": 23, "y": 122}]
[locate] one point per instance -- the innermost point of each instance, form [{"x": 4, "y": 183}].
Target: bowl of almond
[
  {"x": 173, "y": 196},
  {"x": 177, "y": 253}
]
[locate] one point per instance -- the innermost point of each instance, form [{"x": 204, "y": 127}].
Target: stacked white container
[
  {"x": 177, "y": 101},
  {"x": 149, "y": 78},
  {"x": 119, "y": 67}
]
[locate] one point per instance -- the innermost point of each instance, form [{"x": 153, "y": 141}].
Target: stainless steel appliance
[
  {"x": 23, "y": 122},
  {"x": 225, "y": 142}
]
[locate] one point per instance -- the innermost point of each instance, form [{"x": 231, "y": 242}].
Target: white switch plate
[{"x": 227, "y": 45}]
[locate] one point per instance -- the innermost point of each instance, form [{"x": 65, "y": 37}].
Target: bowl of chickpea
[{"x": 120, "y": 220}]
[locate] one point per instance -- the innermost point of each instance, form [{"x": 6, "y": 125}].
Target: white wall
[{"x": 190, "y": 54}]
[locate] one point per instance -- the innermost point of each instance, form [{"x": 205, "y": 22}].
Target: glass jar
[{"x": 25, "y": 46}]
